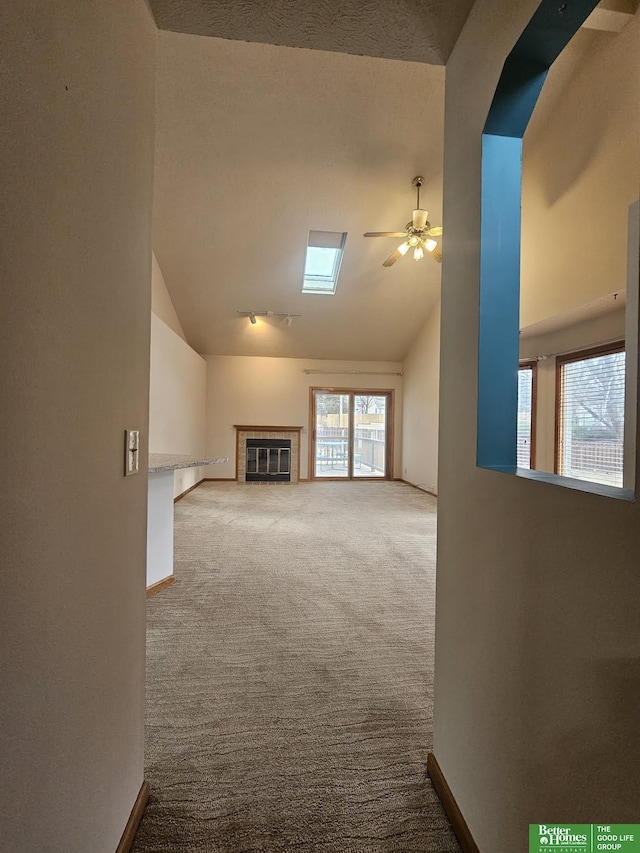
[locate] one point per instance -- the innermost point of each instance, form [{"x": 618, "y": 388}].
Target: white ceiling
[
  {"x": 258, "y": 144},
  {"x": 596, "y": 308}
]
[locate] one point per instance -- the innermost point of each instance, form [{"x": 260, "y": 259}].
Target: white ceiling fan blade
[
  {"x": 385, "y": 234},
  {"x": 420, "y": 218},
  {"x": 435, "y": 232},
  {"x": 437, "y": 254},
  {"x": 393, "y": 257}
]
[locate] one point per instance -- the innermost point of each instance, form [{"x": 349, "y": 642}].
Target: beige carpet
[{"x": 290, "y": 674}]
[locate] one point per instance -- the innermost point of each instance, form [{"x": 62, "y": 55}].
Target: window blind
[
  {"x": 590, "y": 415},
  {"x": 326, "y": 239},
  {"x": 525, "y": 416}
]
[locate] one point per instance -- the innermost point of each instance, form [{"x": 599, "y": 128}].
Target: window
[
  {"x": 590, "y": 414},
  {"x": 526, "y": 429},
  {"x": 322, "y": 264}
]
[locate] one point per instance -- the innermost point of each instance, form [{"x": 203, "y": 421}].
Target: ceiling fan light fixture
[
  {"x": 420, "y": 218},
  {"x": 417, "y": 235}
]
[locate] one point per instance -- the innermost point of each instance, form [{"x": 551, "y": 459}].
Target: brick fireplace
[{"x": 269, "y": 433}]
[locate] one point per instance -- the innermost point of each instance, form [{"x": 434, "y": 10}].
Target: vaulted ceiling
[
  {"x": 276, "y": 118},
  {"x": 269, "y": 126}
]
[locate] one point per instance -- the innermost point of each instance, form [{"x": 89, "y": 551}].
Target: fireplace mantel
[
  {"x": 245, "y": 431},
  {"x": 253, "y": 428}
]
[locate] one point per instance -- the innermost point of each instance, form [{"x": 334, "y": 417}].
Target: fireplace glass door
[
  {"x": 268, "y": 460},
  {"x": 350, "y": 434}
]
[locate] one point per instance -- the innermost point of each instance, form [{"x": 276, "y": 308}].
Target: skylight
[{"x": 322, "y": 264}]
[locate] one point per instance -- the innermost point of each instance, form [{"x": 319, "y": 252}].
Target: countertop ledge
[{"x": 171, "y": 461}]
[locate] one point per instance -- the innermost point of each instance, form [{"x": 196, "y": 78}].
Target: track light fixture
[{"x": 288, "y": 318}]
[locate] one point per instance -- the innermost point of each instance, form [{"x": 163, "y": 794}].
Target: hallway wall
[{"x": 76, "y": 95}]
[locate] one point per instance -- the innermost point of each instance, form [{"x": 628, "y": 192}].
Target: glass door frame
[{"x": 352, "y": 393}]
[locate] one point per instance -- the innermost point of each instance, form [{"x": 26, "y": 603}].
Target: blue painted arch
[{"x": 523, "y": 75}]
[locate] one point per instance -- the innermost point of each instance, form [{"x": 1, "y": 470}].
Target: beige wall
[
  {"x": 599, "y": 330},
  {"x": 581, "y": 171},
  {"x": 275, "y": 391},
  {"x": 76, "y": 93},
  {"x": 177, "y": 397},
  {"x": 537, "y": 634},
  {"x": 161, "y": 302},
  {"x": 420, "y": 413}
]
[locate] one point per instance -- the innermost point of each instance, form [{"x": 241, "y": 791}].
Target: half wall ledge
[{"x": 588, "y": 486}]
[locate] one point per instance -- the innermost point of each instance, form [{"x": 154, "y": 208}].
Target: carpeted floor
[{"x": 290, "y": 674}]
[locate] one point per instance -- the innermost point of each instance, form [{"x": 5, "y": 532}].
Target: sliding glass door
[
  {"x": 370, "y": 435},
  {"x": 331, "y": 434},
  {"x": 350, "y": 434}
]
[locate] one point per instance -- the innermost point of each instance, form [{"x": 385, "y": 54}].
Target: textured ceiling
[
  {"x": 258, "y": 144},
  {"x": 412, "y": 30}
]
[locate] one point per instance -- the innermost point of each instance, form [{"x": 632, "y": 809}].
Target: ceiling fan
[{"x": 418, "y": 234}]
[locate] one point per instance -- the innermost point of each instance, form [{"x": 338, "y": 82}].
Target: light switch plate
[{"x": 131, "y": 451}]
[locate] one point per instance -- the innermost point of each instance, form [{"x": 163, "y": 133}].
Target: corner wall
[
  {"x": 177, "y": 400},
  {"x": 161, "y": 302},
  {"x": 76, "y": 95},
  {"x": 537, "y": 633},
  {"x": 420, "y": 413},
  {"x": 581, "y": 171},
  {"x": 275, "y": 391}
]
